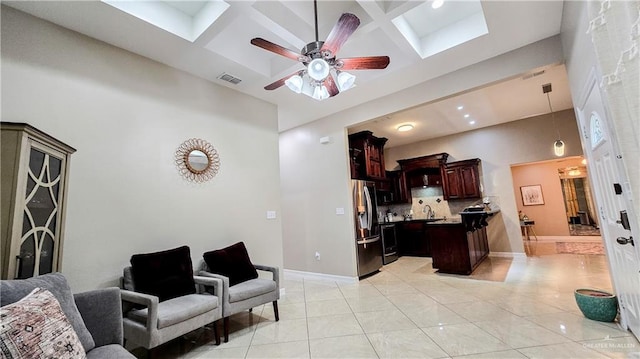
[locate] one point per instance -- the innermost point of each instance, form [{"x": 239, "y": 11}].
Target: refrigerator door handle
[
  {"x": 369, "y": 207},
  {"x": 369, "y": 241}
]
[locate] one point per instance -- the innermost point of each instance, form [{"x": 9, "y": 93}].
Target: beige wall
[
  {"x": 126, "y": 116},
  {"x": 551, "y": 217},
  {"x": 315, "y": 178}
]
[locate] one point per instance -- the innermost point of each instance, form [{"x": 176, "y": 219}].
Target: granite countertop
[
  {"x": 454, "y": 220},
  {"x": 491, "y": 212}
]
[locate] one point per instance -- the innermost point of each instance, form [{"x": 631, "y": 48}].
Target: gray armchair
[
  {"x": 158, "y": 322},
  {"x": 247, "y": 294}
]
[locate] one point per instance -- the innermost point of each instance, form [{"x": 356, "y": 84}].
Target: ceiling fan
[{"x": 319, "y": 58}]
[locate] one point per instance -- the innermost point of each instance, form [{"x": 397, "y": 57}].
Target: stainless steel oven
[{"x": 389, "y": 243}]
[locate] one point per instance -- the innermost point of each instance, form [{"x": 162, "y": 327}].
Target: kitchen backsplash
[{"x": 431, "y": 196}]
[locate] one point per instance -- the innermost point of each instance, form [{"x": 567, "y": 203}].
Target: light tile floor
[{"x": 526, "y": 310}]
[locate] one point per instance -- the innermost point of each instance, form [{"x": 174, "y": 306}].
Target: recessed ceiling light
[
  {"x": 466, "y": 115},
  {"x": 437, "y": 3},
  {"x": 405, "y": 127},
  {"x": 460, "y": 108},
  {"x": 472, "y": 122}
]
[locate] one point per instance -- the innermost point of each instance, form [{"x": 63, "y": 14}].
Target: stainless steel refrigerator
[{"x": 367, "y": 231}]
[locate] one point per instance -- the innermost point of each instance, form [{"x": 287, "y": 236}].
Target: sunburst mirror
[{"x": 197, "y": 160}]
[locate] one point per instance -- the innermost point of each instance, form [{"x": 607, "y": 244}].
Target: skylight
[
  {"x": 430, "y": 31},
  {"x": 187, "y": 19}
]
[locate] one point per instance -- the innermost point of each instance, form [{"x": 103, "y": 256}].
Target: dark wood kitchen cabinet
[
  {"x": 393, "y": 190},
  {"x": 367, "y": 155},
  {"x": 456, "y": 251},
  {"x": 413, "y": 239},
  {"x": 461, "y": 179},
  {"x": 423, "y": 171},
  {"x": 424, "y": 178}
]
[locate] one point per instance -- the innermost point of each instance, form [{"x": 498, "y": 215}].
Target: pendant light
[{"x": 558, "y": 145}]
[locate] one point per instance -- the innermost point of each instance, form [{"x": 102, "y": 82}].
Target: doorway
[
  {"x": 578, "y": 201},
  {"x": 565, "y": 207}
]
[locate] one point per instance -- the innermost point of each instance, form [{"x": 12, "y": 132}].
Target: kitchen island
[
  {"x": 456, "y": 245},
  {"x": 456, "y": 251},
  {"x": 458, "y": 248}
]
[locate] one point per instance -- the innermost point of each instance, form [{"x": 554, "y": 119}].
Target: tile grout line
[
  {"x": 358, "y": 321},
  {"x": 306, "y": 315}
]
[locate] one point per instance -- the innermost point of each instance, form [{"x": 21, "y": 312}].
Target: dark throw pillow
[
  {"x": 232, "y": 262},
  {"x": 166, "y": 274}
]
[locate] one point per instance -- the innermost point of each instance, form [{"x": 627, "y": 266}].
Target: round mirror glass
[{"x": 198, "y": 160}]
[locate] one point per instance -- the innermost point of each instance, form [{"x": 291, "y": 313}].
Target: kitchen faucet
[{"x": 430, "y": 213}]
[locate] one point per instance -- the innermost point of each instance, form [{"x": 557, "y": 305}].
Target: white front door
[{"x": 612, "y": 198}]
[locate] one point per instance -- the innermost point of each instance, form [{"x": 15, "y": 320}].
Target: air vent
[
  {"x": 229, "y": 78},
  {"x": 528, "y": 76}
]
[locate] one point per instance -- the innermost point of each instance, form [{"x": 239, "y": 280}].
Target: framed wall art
[{"x": 532, "y": 195}]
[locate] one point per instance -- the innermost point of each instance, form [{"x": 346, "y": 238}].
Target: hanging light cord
[{"x": 553, "y": 118}]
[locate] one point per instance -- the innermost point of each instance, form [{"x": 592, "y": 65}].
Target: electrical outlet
[
  {"x": 339, "y": 211},
  {"x": 317, "y": 256},
  {"x": 271, "y": 214}
]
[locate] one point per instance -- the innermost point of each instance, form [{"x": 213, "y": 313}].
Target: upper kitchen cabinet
[
  {"x": 393, "y": 190},
  {"x": 367, "y": 155},
  {"x": 424, "y": 171},
  {"x": 461, "y": 179}
]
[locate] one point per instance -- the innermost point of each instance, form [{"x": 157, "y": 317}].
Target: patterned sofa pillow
[{"x": 35, "y": 327}]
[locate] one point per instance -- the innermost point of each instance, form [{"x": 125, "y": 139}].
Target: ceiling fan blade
[
  {"x": 346, "y": 25},
  {"x": 270, "y": 46},
  {"x": 279, "y": 83},
  {"x": 363, "y": 63},
  {"x": 331, "y": 86}
]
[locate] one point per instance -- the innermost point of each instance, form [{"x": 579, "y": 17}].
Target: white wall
[
  {"x": 126, "y": 115},
  {"x": 315, "y": 178},
  {"x": 581, "y": 59}
]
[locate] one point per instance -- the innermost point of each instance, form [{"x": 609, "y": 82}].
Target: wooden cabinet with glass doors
[{"x": 33, "y": 193}]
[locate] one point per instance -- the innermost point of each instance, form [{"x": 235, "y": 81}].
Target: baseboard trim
[
  {"x": 513, "y": 255},
  {"x": 295, "y": 274}
]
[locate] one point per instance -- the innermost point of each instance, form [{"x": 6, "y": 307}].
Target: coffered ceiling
[{"x": 210, "y": 39}]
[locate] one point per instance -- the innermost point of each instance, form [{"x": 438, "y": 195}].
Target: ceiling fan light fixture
[
  {"x": 345, "y": 80},
  {"x": 318, "y": 69},
  {"x": 320, "y": 77},
  {"x": 320, "y": 93},
  {"x": 294, "y": 83}
]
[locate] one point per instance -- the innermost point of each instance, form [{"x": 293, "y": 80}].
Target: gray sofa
[{"x": 96, "y": 315}]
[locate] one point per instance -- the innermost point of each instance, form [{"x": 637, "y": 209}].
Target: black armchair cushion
[
  {"x": 166, "y": 274},
  {"x": 232, "y": 262}
]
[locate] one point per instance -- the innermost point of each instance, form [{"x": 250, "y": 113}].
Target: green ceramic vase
[{"x": 596, "y": 304}]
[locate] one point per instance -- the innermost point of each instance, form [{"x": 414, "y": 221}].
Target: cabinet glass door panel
[
  {"x": 27, "y": 262},
  {"x": 41, "y": 212}
]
